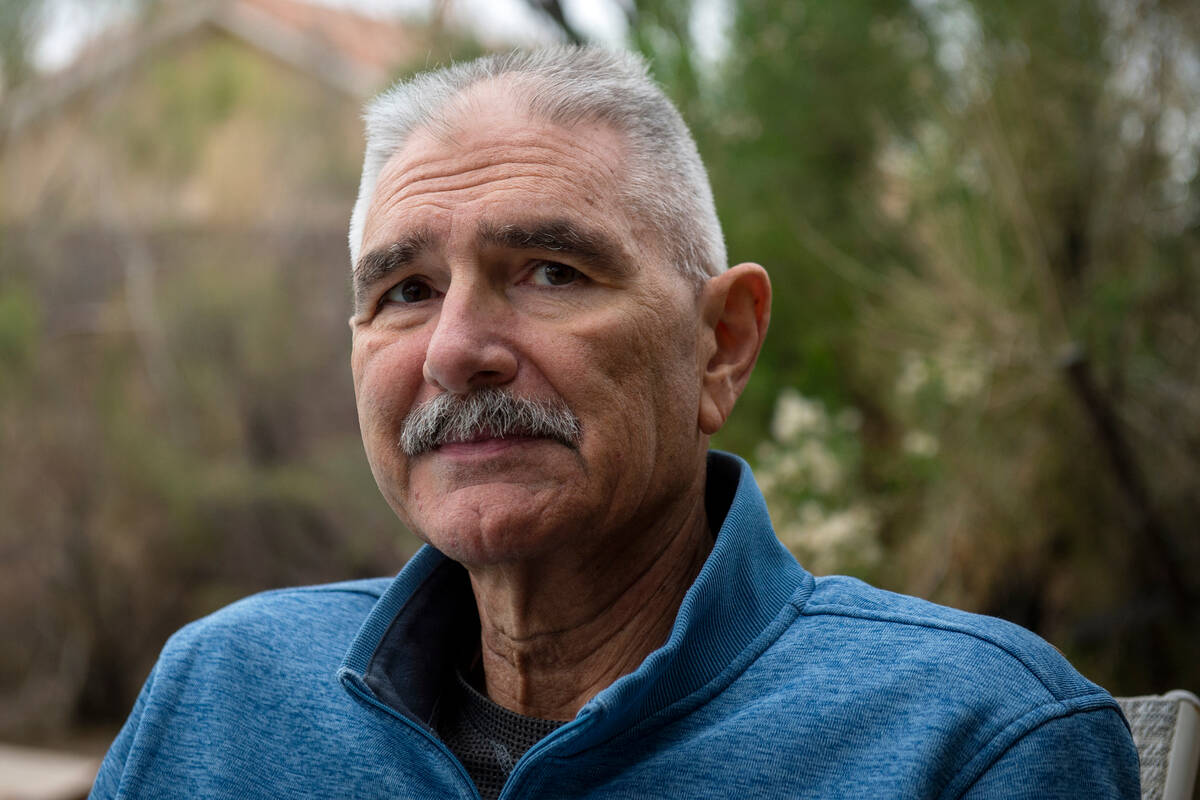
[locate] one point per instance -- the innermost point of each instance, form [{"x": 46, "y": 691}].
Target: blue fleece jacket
[{"x": 771, "y": 684}]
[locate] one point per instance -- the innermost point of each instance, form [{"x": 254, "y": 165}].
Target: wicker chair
[{"x": 1166, "y": 730}]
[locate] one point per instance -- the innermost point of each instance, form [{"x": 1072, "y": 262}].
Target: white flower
[
  {"x": 826, "y": 542},
  {"x": 963, "y": 379},
  {"x": 914, "y": 374},
  {"x": 920, "y": 443},
  {"x": 796, "y": 415},
  {"x": 820, "y": 466}
]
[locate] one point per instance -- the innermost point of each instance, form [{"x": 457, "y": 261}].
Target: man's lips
[
  {"x": 486, "y": 442},
  {"x": 482, "y": 436},
  {"x": 487, "y": 435}
]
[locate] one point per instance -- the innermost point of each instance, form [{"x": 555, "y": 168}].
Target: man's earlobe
[{"x": 736, "y": 307}]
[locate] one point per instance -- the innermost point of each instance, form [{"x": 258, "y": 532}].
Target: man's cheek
[{"x": 386, "y": 380}]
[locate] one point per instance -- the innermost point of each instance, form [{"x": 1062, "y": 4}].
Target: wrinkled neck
[{"x": 555, "y": 635}]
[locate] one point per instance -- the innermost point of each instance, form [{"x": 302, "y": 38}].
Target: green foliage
[
  {"x": 792, "y": 161},
  {"x": 19, "y": 326},
  {"x": 18, "y": 20},
  {"x": 980, "y": 222},
  {"x": 176, "y": 412},
  {"x": 158, "y": 497},
  {"x": 809, "y": 472}
]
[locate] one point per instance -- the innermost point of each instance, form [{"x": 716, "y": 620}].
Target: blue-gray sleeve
[
  {"x": 1085, "y": 755},
  {"x": 108, "y": 780}
]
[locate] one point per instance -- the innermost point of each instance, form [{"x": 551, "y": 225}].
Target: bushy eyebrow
[
  {"x": 376, "y": 265},
  {"x": 591, "y": 247}
]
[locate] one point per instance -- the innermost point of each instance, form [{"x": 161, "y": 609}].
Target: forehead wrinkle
[
  {"x": 591, "y": 156},
  {"x": 437, "y": 192},
  {"x": 408, "y": 201},
  {"x": 462, "y": 179}
]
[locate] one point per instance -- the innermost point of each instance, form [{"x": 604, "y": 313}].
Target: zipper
[
  {"x": 351, "y": 681},
  {"x": 534, "y": 753}
]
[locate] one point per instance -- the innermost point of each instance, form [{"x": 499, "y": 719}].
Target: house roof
[
  {"x": 348, "y": 52},
  {"x": 373, "y": 45}
]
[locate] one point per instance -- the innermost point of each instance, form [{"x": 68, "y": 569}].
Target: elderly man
[{"x": 545, "y": 337}]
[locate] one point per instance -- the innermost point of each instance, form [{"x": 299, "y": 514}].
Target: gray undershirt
[{"x": 487, "y": 738}]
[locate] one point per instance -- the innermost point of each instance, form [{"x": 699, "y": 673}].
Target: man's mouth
[
  {"x": 486, "y": 444},
  {"x": 488, "y": 435}
]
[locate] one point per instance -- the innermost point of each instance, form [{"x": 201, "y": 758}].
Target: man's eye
[
  {"x": 409, "y": 290},
  {"x": 551, "y": 273}
]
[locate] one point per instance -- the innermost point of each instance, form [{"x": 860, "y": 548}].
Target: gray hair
[
  {"x": 491, "y": 411},
  {"x": 666, "y": 182}
]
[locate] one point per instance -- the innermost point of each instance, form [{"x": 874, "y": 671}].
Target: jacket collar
[{"x": 747, "y": 592}]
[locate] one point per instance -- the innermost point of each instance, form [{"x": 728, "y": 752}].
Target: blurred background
[{"x": 981, "y": 384}]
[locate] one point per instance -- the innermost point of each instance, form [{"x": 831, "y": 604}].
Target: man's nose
[{"x": 469, "y": 347}]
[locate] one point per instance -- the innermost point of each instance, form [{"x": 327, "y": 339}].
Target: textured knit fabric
[
  {"x": 1156, "y": 722},
  {"x": 1153, "y": 720},
  {"x": 486, "y": 737},
  {"x": 771, "y": 684}
]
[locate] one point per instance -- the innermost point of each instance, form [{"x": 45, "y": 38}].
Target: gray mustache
[{"x": 490, "y": 411}]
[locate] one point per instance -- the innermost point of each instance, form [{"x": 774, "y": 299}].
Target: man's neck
[{"x": 553, "y": 638}]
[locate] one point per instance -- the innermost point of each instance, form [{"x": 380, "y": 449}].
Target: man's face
[{"x": 501, "y": 256}]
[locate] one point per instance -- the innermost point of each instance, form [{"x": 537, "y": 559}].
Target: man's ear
[{"x": 735, "y": 309}]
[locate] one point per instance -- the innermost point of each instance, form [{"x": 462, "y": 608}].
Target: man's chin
[
  {"x": 507, "y": 530},
  {"x": 499, "y": 508}
]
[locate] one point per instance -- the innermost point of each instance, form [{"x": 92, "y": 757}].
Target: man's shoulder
[
  {"x": 943, "y": 639},
  {"x": 293, "y": 605},
  {"x": 304, "y": 623},
  {"x": 247, "y": 697}
]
